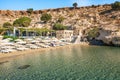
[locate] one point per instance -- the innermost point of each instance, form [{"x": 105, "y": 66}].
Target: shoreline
[{"x": 7, "y": 56}]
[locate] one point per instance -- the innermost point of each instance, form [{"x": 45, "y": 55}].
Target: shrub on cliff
[
  {"x": 93, "y": 33},
  {"x": 2, "y": 31},
  {"x": 61, "y": 19},
  {"x": 116, "y": 5},
  {"x": 7, "y": 25},
  {"x": 58, "y": 26},
  {"x": 22, "y": 22},
  {"x": 46, "y": 17}
]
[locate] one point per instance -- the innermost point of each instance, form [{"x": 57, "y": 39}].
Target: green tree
[
  {"x": 75, "y": 5},
  {"x": 58, "y": 26},
  {"x": 93, "y": 33},
  {"x": 116, "y": 5},
  {"x": 22, "y": 22},
  {"x": 30, "y": 10},
  {"x": 93, "y": 5},
  {"x": 46, "y": 17},
  {"x": 2, "y": 31},
  {"x": 7, "y": 25}
]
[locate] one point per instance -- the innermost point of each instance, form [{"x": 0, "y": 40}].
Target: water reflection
[{"x": 78, "y": 62}]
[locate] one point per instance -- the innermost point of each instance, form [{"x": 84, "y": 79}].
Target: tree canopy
[
  {"x": 22, "y": 22},
  {"x": 30, "y": 10},
  {"x": 46, "y": 17},
  {"x": 38, "y": 31},
  {"x": 7, "y": 25},
  {"x": 116, "y": 5},
  {"x": 58, "y": 26},
  {"x": 94, "y": 32},
  {"x": 75, "y": 5}
]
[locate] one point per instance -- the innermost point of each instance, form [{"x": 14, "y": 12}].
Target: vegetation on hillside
[
  {"x": 93, "y": 33},
  {"x": 4, "y": 30},
  {"x": 58, "y": 26},
  {"x": 7, "y": 25},
  {"x": 116, "y": 5},
  {"x": 38, "y": 31},
  {"x": 46, "y": 17},
  {"x": 22, "y": 22},
  {"x": 22, "y": 30},
  {"x": 61, "y": 19}
]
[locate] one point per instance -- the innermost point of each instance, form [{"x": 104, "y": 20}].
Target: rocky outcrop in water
[
  {"x": 108, "y": 35},
  {"x": 24, "y": 67}
]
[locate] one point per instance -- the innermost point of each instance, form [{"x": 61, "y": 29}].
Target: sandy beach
[{"x": 7, "y": 56}]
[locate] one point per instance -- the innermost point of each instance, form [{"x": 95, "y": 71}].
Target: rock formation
[{"x": 83, "y": 18}]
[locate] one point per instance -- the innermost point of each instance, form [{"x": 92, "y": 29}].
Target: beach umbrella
[
  {"x": 18, "y": 40},
  {"x": 9, "y": 39},
  {"x": 39, "y": 39},
  {"x": 34, "y": 41},
  {"x": 6, "y": 47},
  {"x": 45, "y": 41},
  {"x": 54, "y": 39},
  {"x": 28, "y": 39},
  {"x": 21, "y": 42},
  {"x": 5, "y": 40},
  {"x": 7, "y": 43}
]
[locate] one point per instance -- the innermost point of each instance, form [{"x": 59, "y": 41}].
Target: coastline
[{"x": 7, "y": 56}]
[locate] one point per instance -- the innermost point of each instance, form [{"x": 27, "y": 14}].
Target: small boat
[{"x": 24, "y": 67}]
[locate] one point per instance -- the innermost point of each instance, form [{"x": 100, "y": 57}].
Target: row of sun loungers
[{"x": 20, "y": 45}]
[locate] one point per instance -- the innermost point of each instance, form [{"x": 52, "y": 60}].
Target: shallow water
[{"x": 73, "y": 63}]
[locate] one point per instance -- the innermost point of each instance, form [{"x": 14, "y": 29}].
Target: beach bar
[{"x": 64, "y": 34}]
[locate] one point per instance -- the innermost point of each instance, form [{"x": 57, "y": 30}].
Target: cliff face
[
  {"x": 86, "y": 15},
  {"x": 81, "y": 18}
]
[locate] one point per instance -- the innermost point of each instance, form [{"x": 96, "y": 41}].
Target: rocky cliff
[
  {"x": 83, "y": 18},
  {"x": 101, "y": 14}
]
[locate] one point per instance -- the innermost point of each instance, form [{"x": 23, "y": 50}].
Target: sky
[{"x": 47, "y": 4}]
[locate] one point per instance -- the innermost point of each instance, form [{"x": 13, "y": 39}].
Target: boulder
[{"x": 116, "y": 41}]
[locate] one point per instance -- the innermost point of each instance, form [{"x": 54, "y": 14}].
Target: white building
[{"x": 64, "y": 34}]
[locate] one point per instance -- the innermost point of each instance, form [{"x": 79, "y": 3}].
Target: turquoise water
[{"x": 72, "y": 63}]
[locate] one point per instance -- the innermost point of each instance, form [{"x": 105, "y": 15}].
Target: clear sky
[{"x": 45, "y": 4}]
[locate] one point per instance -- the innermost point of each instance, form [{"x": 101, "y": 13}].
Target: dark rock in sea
[
  {"x": 3, "y": 62},
  {"x": 24, "y": 67},
  {"x": 97, "y": 42}
]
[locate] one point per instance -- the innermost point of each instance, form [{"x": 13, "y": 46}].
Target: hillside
[
  {"x": 100, "y": 14},
  {"x": 82, "y": 18}
]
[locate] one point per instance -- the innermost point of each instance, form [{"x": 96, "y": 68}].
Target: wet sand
[{"x": 7, "y": 56}]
